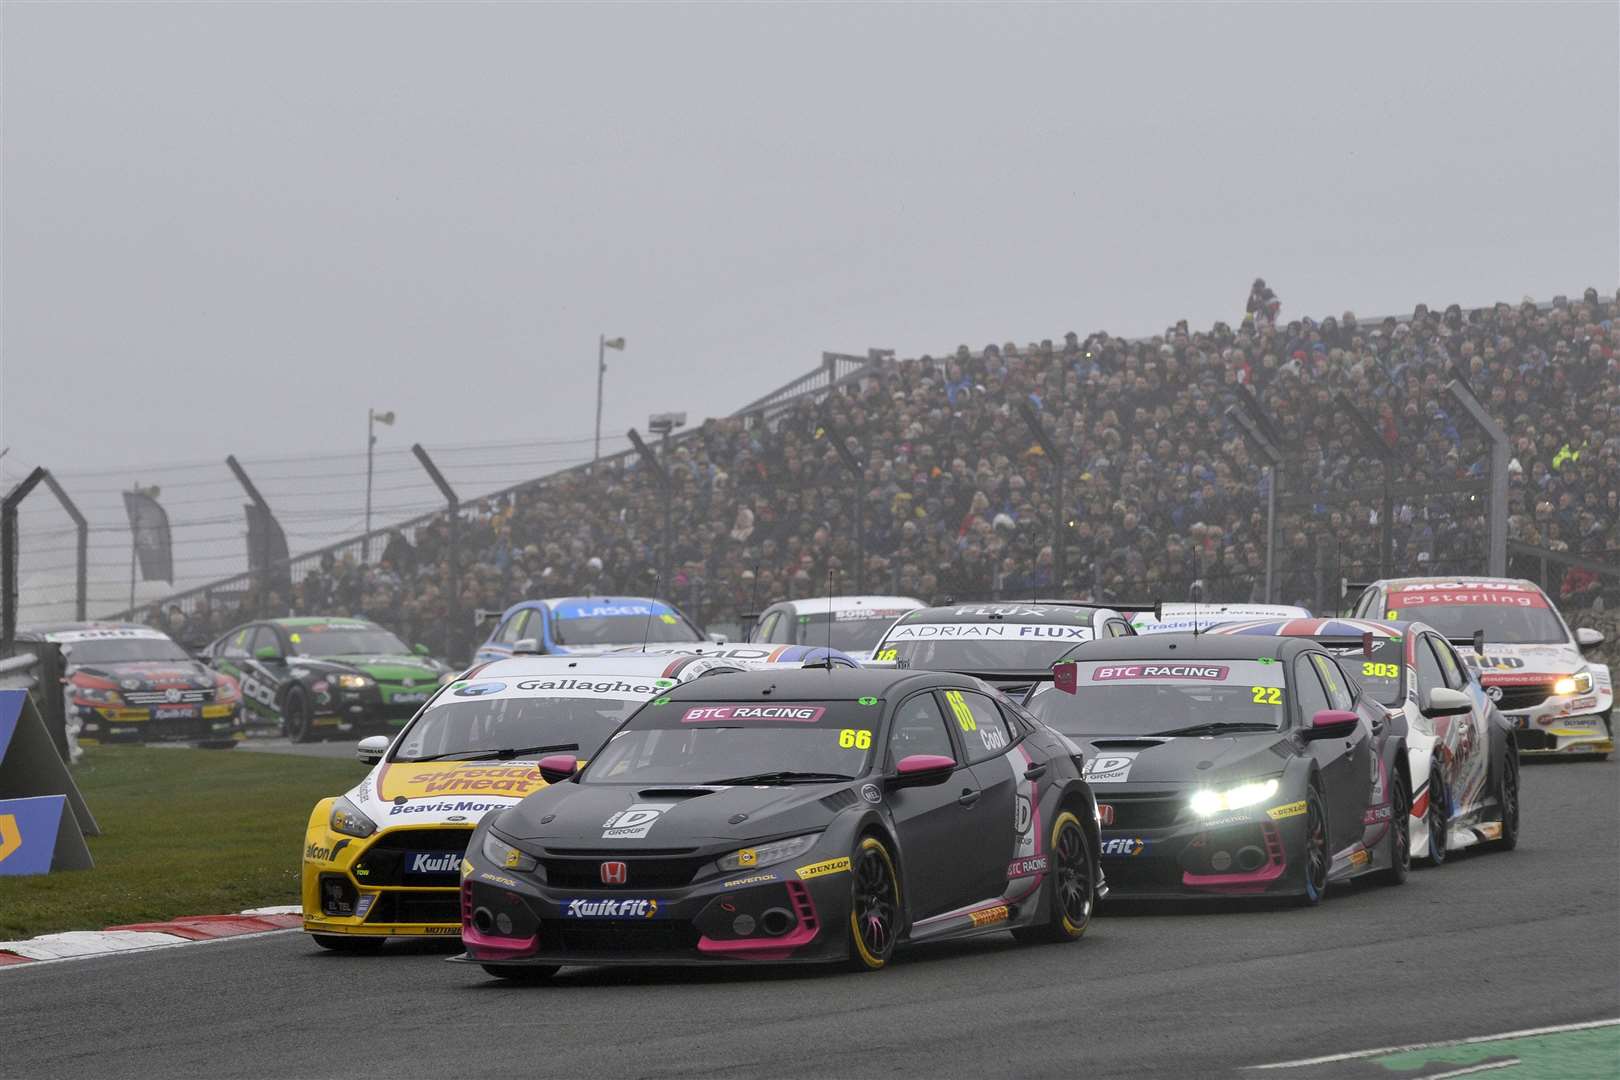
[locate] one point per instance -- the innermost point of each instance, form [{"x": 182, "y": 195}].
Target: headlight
[
  {"x": 750, "y": 858},
  {"x": 354, "y": 682},
  {"x": 1207, "y": 802},
  {"x": 1578, "y": 683},
  {"x": 505, "y": 855},
  {"x": 89, "y": 690},
  {"x": 348, "y": 820},
  {"x": 447, "y": 678}
]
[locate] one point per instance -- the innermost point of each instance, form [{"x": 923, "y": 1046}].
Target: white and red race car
[{"x": 1539, "y": 673}]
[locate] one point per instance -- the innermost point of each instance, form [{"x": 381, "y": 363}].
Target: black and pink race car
[
  {"x": 1233, "y": 766},
  {"x": 789, "y": 817}
]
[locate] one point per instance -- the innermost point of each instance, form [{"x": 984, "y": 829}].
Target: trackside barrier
[{"x": 43, "y": 818}]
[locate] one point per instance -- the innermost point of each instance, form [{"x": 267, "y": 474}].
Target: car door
[
  {"x": 1003, "y": 810},
  {"x": 1366, "y": 743},
  {"x": 932, "y": 821},
  {"x": 1467, "y": 737},
  {"x": 1344, "y": 763},
  {"x": 258, "y": 689}
]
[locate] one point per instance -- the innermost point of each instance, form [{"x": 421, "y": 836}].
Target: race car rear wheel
[
  {"x": 874, "y": 908},
  {"x": 1507, "y": 800},
  {"x": 522, "y": 973},
  {"x": 295, "y": 715},
  {"x": 1438, "y": 816},
  {"x": 1071, "y": 886},
  {"x": 1400, "y": 834},
  {"x": 345, "y": 943},
  {"x": 1317, "y": 853}
]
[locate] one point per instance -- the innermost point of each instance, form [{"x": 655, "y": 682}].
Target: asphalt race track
[{"x": 1490, "y": 943}]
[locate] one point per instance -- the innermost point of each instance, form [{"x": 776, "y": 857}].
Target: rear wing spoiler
[
  {"x": 486, "y": 614},
  {"x": 1156, "y": 608},
  {"x": 1346, "y": 587}
]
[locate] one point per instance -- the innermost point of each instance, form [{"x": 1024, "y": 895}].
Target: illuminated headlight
[
  {"x": 505, "y": 855},
  {"x": 1578, "y": 683},
  {"x": 348, "y": 820},
  {"x": 776, "y": 851},
  {"x": 1207, "y": 802},
  {"x": 354, "y": 682}
]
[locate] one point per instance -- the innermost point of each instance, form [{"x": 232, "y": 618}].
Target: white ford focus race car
[
  {"x": 384, "y": 858},
  {"x": 1531, "y": 665},
  {"x": 1460, "y": 748}
]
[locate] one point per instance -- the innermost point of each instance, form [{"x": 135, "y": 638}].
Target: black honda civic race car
[
  {"x": 789, "y": 817},
  {"x": 1227, "y": 766}
]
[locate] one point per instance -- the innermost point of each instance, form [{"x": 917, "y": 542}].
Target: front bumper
[
  {"x": 775, "y": 915},
  {"x": 398, "y": 882},
  {"x": 1565, "y": 724},
  {"x": 212, "y": 722},
  {"x": 1249, "y": 852}
]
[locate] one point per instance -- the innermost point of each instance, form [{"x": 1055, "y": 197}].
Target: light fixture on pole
[
  {"x": 603, "y": 344},
  {"x": 373, "y": 418}
]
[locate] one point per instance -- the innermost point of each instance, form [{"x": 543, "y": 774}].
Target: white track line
[
  {"x": 1488, "y": 1066},
  {"x": 33, "y": 964},
  {"x": 1377, "y": 1051}
]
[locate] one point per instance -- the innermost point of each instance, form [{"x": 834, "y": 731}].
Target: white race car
[
  {"x": 384, "y": 859},
  {"x": 1181, "y": 618},
  {"x": 1531, "y": 665},
  {"x": 853, "y": 624},
  {"x": 1460, "y": 748}
]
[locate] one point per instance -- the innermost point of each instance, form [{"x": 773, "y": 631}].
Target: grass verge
[{"x": 184, "y": 832}]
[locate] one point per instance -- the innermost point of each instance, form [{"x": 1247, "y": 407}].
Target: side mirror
[
  {"x": 923, "y": 770},
  {"x": 371, "y": 749},
  {"x": 558, "y": 767},
  {"x": 1588, "y": 638},
  {"x": 526, "y": 646},
  {"x": 1444, "y": 701},
  {"x": 267, "y": 652},
  {"x": 419, "y": 649},
  {"x": 1332, "y": 724}
]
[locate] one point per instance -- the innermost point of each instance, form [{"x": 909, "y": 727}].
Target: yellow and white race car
[{"x": 384, "y": 859}]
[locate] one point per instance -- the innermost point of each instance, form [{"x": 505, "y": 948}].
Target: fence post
[
  {"x": 1386, "y": 507},
  {"x": 453, "y": 643},
  {"x": 1496, "y": 506},
  {"x": 660, "y": 474},
  {"x": 857, "y": 472},
  {"x": 81, "y": 577},
  {"x": 1266, "y": 446},
  {"x": 1054, "y": 454},
  {"x": 264, "y": 557},
  {"x": 8, "y": 556}
]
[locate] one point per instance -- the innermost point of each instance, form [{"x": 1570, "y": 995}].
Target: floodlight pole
[
  {"x": 8, "y": 555},
  {"x": 1267, "y": 448},
  {"x": 81, "y": 577},
  {"x": 452, "y": 505},
  {"x": 1497, "y": 504}
]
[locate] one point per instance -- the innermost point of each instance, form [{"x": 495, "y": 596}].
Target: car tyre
[
  {"x": 1507, "y": 800},
  {"x": 874, "y": 906},
  {"x": 1318, "y": 853},
  {"x": 295, "y": 716},
  {"x": 1438, "y": 816},
  {"x": 354, "y": 945},
  {"x": 1071, "y": 886},
  {"x": 1400, "y": 834},
  {"x": 523, "y": 973}
]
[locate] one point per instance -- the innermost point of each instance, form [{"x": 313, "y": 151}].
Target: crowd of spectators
[{"x": 1163, "y": 495}]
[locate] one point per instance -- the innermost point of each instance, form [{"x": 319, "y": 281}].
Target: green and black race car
[{"x": 320, "y": 676}]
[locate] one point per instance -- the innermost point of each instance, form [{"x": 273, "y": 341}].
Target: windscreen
[
  {"x": 1160, "y": 697},
  {"x": 981, "y": 646},
  {"x": 123, "y": 650},
  {"x": 620, "y": 624},
  {"x": 562, "y": 714},
  {"x": 850, "y": 631},
  {"x": 716, "y": 742},
  {"x": 345, "y": 639},
  {"x": 1509, "y": 614},
  {"x": 1381, "y": 673}
]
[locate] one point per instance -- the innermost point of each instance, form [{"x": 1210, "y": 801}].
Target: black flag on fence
[
  {"x": 149, "y": 528},
  {"x": 267, "y": 550}
]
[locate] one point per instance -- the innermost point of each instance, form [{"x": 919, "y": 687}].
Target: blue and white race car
[{"x": 585, "y": 626}]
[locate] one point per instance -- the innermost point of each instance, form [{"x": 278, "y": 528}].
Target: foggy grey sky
[{"x": 234, "y": 227}]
